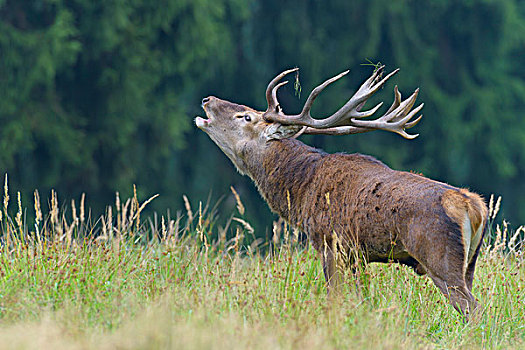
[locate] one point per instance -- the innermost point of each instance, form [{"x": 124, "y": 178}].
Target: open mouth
[{"x": 203, "y": 122}]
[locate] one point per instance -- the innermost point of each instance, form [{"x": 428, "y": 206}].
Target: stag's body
[
  {"x": 348, "y": 201},
  {"x": 361, "y": 203}
]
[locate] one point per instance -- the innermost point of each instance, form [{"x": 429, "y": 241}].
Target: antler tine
[
  {"x": 378, "y": 73},
  {"x": 400, "y": 111},
  {"x": 395, "y": 121},
  {"x": 372, "y": 88},
  {"x": 370, "y": 112},
  {"x": 403, "y": 122},
  {"x": 414, "y": 122},
  {"x": 274, "y": 115},
  {"x": 352, "y": 108},
  {"x": 315, "y": 92},
  {"x": 397, "y": 100},
  {"x": 271, "y": 97},
  {"x": 274, "y": 95},
  {"x": 397, "y": 114}
]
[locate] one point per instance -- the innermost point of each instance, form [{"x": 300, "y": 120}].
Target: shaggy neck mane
[{"x": 282, "y": 173}]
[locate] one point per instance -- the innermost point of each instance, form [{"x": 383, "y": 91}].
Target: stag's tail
[
  {"x": 469, "y": 211},
  {"x": 478, "y": 214}
]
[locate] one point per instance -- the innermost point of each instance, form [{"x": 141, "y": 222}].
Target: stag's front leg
[{"x": 331, "y": 272}]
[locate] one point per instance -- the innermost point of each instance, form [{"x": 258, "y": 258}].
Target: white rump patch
[
  {"x": 475, "y": 241},
  {"x": 466, "y": 233}
]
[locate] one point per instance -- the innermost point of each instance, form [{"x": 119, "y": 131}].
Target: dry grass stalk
[
  {"x": 69, "y": 232},
  {"x": 277, "y": 228},
  {"x": 135, "y": 207},
  {"x": 141, "y": 208},
  {"x": 221, "y": 238},
  {"x": 188, "y": 208},
  {"x": 38, "y": 215},
  {"x": 496, "y": 208},
  {"x": 6, "y": 195},
  {"x": 82, "y": 211},
  {"x": 6, "y": 205},
  {"x": 500, "y": 241},
  {"x": 132, "y": 210},
  {"x": 513, "y": 244},
  {"x": 74, "y": 211},
  {"x": 18, "y": 217},
  {"x": 119, "y": 219},
  {"x": 163, "y": 230},
  {"x": 245, "y": 224},
  {"x": 288, "y": 200},
  {"x": 125, "y": 215},
  {"x": 491, "y": 205},
  {"x": 199, "y": 222},
  {"x": 117, "y": 201},
  {"x": 174, "y": 229},
  {"x": 104, "y": 236},
  {"x": 240, "y": 206},
  {"x": 54, "y": 208},
  {"x": 110, "y": 222}
]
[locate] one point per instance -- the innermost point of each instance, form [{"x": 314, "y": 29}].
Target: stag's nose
[{"x": 206, "y": 99}]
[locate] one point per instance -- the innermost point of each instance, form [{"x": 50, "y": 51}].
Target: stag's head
[{"x": 240, "y": 130}]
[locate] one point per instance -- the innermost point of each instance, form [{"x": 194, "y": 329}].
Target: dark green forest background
[{"x": 96, "y": 96}]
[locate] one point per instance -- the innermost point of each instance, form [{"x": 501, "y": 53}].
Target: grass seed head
[
  {"x": 188, "y": 208},
  {"x": 38, "y": 210},
  {"x": 117, "y": 201},
  {"x": 82, "y": 203},
  {"x": 240, "y": 206},
  {"x": 18, "y": 217},
  {"x": 276, "y": 232},
  {"x": 74, "y": 211},
  {"x": 54, "y": 208},
  {"x": 245, "y": 224},
  {"x": 496, "y": 208},
  {"x": 6, "y": 195}
]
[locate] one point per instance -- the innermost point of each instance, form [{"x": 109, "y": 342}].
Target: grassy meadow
[{"x": 126, "y": 281}]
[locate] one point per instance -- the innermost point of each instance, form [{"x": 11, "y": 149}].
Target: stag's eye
[{"x": 246, "y": 117}]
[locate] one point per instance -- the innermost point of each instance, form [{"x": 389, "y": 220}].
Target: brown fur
[{"x": 352, "y": 202}]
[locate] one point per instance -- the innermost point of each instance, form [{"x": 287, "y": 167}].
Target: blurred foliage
[{"x": 97, "y": 96}]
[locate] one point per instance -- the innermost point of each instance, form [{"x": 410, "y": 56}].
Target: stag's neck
[{"x": 282, "y": 172}]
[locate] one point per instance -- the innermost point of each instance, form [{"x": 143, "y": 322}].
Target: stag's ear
[{"x": 276, "y": 131}]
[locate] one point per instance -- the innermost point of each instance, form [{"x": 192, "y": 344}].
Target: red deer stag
[{"x": 339, "y": 200}]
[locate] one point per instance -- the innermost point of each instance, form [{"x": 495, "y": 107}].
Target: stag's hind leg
[
  {"x": 447, "y": 271},
  {"x": 457, "y": 293},
  {"x": 441, "y": 251},
  {"x": 469, "y": 275}
]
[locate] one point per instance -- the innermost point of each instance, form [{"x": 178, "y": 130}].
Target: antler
[{"x": 347, "y": 119}]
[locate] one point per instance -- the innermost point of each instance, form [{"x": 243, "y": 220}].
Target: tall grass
[{"x": 124, "y": 281}]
